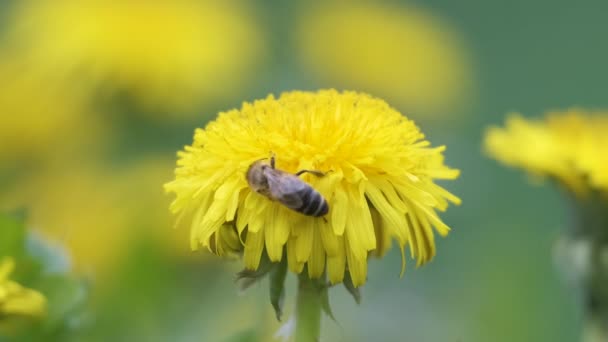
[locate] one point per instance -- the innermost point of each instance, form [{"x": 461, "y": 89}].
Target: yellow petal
[
  {"x": 357, "y": 266},
  {"x": 359, "y": 225},
  {"x": 277, "y": 231},
  {"x": 329, "y": 239},
  {"x": 305, "y": 240},
  {"x": 394, "y": 220},
  {"x": 391, "y": 195},
  {"x": 337, "y": 263},
  {"x": 292, "y": 262},
  {"x": 316, "y": 264},
  {"x": 412, "y": 234},
  {"x": 339, "y": 212},
  {"x": 441, "y": 227},
  {"x": 233, "y": 204},
  {"x": 413, "y": 192},
  {"x": 253, "y": 250}
]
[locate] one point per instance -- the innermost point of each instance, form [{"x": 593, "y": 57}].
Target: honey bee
[{"x": 287, "y": 188}]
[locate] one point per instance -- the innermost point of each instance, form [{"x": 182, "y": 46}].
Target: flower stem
[
  {"x": 308, "y": 310},
  {"x": 596, "y": 295},
  {"x": 586, "y": 244}
]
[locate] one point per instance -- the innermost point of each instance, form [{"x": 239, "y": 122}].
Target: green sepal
[
  {"x": 277, "y": 287},
  {"x": 324, "y": 293},
  {"x": 246, "y": 278},
  {"x": 350, "y": 287}
]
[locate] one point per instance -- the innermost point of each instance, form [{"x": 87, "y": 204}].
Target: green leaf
[{"x": 277, "y": 287}]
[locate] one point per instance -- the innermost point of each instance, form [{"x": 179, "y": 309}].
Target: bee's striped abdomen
[{"x": 313, "y": 203}]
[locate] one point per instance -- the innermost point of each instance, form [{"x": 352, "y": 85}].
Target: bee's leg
[
  {"x": 272, "y": 161},
  {"x": 314, "y": 172}
]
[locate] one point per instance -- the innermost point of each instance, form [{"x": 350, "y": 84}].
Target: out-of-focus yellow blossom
[
  {"x": 401, "y": 53},
  {"x": 168, "y": 54},
  {"x": 567, "y": 145},
  {"x": 16, "y": 300},
  {"x": 79, "y": 207},
  {"x": 40, "y": 115},
  {"x": 96, "y": 212},
  {"x": 379, "y": 182},
  {"x": 147, "y": 203},
  {"x": 593, "y": 160}
]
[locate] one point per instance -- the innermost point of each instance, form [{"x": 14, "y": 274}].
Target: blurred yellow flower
[
  {"x": 168, "y": 54},
  {"x": 404, "y": 54},
  {"x": 379, "y": 182},
  {"x": 97, "y": 212},
  {"x": 568, "y": 146},
  {"x": 16, "y": 299},
  {"x": 137, "y": 186},
  {"x": 593, "y": 160},
  {"x": 39, "y": 115}
]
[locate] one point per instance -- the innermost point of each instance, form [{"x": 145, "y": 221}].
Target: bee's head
[{"x": 255, "y": 175}]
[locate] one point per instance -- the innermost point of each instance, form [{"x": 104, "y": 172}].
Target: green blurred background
[{"x": 98, "y": 96}]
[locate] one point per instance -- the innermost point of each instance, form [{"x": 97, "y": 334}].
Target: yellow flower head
[
  {"x": 171, "y": 54},
  {"x": 16, "y": 299},
  {"x": 378, "y": 182},
  {"x": 400, "y": 52},
  {"x": 568, "y": 146}
]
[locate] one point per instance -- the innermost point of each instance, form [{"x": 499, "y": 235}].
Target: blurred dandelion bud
[
  {"x": 569, "y": 147},
  {"x": 339, "y": 176}
]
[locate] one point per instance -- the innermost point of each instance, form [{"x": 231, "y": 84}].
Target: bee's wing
[{"x": 286, "y": 188}]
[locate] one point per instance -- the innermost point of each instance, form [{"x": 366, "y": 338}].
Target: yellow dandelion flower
[
  {"x": 567, "y": 145},
  {"x": 401, "y": 53},
  {"x": 16, "y": 299},
  {"x": 378, "y": 181},
  {"x": 168, "y": 54}
]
